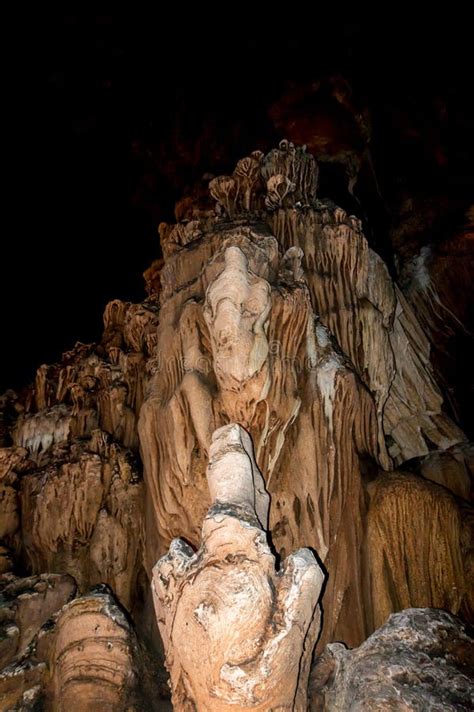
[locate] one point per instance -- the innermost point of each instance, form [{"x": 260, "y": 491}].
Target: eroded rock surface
[
  {"x": 276, "y": 314},
  {"x": 26, "y": 604},
  {"x": 421, "y": 659},
  {"x": 417, "y": 565}
]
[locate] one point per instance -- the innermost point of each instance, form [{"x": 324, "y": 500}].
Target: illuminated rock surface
[{"x": 269, "y": 310}]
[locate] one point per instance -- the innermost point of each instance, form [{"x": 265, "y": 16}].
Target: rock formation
[
  {"x": 269, "y": 310},
  {"x": 237, "y": 633},
  {"x": 239, "y": 340},
  {"x": 419, "y": 565},
  {"x": 59, "y": 653},
  {"x": 421, "y": 659},
  {"x": 95, "y": 657}
]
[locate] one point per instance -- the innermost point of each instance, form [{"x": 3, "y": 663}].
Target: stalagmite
[
  {"x": 95, "y": 651},
  {"x": 238, "y": 634},
  {"x": 321, "y": 396}
]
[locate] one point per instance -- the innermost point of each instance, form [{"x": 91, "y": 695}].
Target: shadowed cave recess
[{"x": 251, "y": 487}]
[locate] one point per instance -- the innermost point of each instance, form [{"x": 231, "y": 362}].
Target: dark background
[{"x": 114, "y": 115}]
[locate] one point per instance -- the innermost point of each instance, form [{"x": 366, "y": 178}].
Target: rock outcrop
[
  {"x": 421, "y": 659},
  {"x": 277, "y": 315}
]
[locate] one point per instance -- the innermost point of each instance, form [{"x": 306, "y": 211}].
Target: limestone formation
[
  {"x": 452, "y": 468},
  {"x": 81, "y": 515},
  {"x": 238, "y": 633},
  {"x": 27, "y": 603},
  {"x": 27, "y": 607},
  {"x": 254, "y": 353},
  {"x": 417, "y": 566},
  {"x": 95, "y": 657},
  {"x": 11, "y": 462},
  {"x": 437, "y": 281},
  {"x": 238, "y": 341},
  {"x": 374, "y": 325},
  {"x": 268, "y": 310},
  {"x": 59, "y": 653},
  {"x": 421, "y": 659}
]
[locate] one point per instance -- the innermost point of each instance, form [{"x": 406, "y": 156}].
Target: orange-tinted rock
[
  {"x": 238, "y": 341},
  {"x": 269, "y": 310},
  {"x": 437, "y": 281},
  {"x": 413, "y": 545},
  {"x": 27, "y": 604},
  {"x": 94, "y": 662},
  {"x": 82, "y": 515},
  {"x": 453, "y": 469}
]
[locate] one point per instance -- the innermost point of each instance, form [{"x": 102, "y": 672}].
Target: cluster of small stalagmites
[
  {"x": 93, "y": 387},
  {"x": 61, "y": 652},
  {"x": 71, "y": 489},
  {"x": 73, "y": 471},
  {"x": 285, "y": 177}
]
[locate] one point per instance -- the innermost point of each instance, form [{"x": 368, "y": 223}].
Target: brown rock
[
  {"x": 82, "y": 515},
  {"x": 451, "y": 468},
  {"x": 437, "y": 281},
  {"x": 274, "y": 314},
  {"x": 238, "y": 341},
  {"x": 414, "y": 546},
  {"x": 27, "y": 603},
  {"x": 94, "y": 657}
]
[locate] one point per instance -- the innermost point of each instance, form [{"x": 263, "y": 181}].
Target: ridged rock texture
[
  {"x": 268, "y": 310},
  {"x": 220, "y": 654}
]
